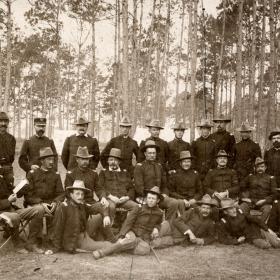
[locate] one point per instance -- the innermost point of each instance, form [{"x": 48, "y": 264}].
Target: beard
[{"x": 276, "y": 144}]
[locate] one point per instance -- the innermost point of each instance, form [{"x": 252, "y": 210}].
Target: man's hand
[
  {"x": 164, "y": 195},
  {"x": 260, "y": 202},
  {"x": 241, "y": 239},
  {"x": 140, "y": 200},
  {"x": 199, "y": 241},
  {"x": 34, "y": 166},
  {"x": 12, "y": 197},
  {"x": 104, "y": 202},
  {"x": 191, "y": 235},
  {"x": 192, "y": 201},
  {"x": 170, "y": 172},
  {"x": 272, "y": 233},
  {"x": 123, "y": 199},
  {"x": 216, "y": 194},
  {"x": 187, "y": 203},
  {"x": 49, "y": 252},
  {"x": 155, "y": 233},
  {"x": 106, "y": 221},
  {"x": 114, "y": 198}
]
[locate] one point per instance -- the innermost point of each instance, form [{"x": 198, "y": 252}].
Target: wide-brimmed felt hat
[
  {"x": 4, "y": 116},
  {"x": 40, "y": 121},
  {"x": 206, "y": 199},
  {"x": 150, "y": 144},
  {"x": 273, "y": 133},
  {"x": 205, "y": 123},
  {"x": 116, "y": 153},
  {"x": 81, "y": 121},
  {"x": 78, "y": 185},
  {"x": 125, "y": 121},
  {"x": 222, "y": 118},
  {"x": 259, "y": 161},
  {"x": 179, "y": 126},
  {"x": 82, "y": 152},
  {"x": 155, "y": 123},
  {"x": 46, "y": 152},
  {"x": 245, "y": 127},
  {"x": 185, "y": 155},
  {"x": 222, "y": 153},
  {"x": 154, "y": 190},
  {"x": 227, "y": 203}
]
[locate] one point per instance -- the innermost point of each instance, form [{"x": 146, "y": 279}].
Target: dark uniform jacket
[
  {"x": 245, "y": 153},
  {"x": 220, "y": 180},
  {"x": 44, "y": 186},
  {"x": 142, "y": 221},
  {"x": 202, "y": 227},
  {"x": 70, "y": 148},
  {"x": 128, "y": 147},
  {"x": 174, "y": 148},
  {"x": 69, "y": 221},
  {"x": 7, "y": 149},
  {"x": 272, "y": 160},
  {"x": 259, "y": 186},
  {"x": 148, "y": 174},
  {"x": 162, "y": 156},
  {"x": 185, "y": 184},
  {"x": 274, "y": 217},
  {"x": 204, "y": 152},
  {"x": 231, "y": 228},
  {"x": 90, "y": 179},
  {"x": 116, "y": 183},
  {"x": 5, "y": 191},
  {"x": 30, "y": 149}
]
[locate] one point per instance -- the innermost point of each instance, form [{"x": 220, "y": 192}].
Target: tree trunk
[
  {"x": 1, "y": 61},
  {"x": 193, "y": 70},
  {"x": 119, "y": 67},
  {"x": 238, "y": 86}
]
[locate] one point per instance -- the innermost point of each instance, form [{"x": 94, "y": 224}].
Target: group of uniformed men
[{"x": 213, "y": 189}]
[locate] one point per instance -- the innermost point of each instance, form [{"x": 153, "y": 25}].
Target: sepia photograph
[{"x": 139, "y": 139}]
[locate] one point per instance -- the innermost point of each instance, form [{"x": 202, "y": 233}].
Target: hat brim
[
  {"x": 113, "y": 157},
  {"x": 222, "y": 120},
  {"x": 179, "y": 128},
  {"x": 81, "y": 123},
  {"x": 206, "y": 126},
  {"x": 160, "y": 127},
  {"x": 206, "y": 203},
  {"x": 259, "y": 163},
  {"x": 150, "y": 146},
  {"x": 76, "y": 188},
  {"x": 227, "y": 156},
  {"x": 273, "y": 134},
  {"x": 180, "y": 159},
  {"x": 160, "y": 196},
  {"x": 227, "y": 207},
  {"x": 46, "y": 156},
  {"x": 126, "y": 124},
  {"x": 89, "y": 156}
]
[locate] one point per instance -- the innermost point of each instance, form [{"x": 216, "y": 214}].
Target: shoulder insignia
[
  {"x": 250, "y": 174},
  {"x": 195, "y": 171},
  {"x": 69, "y": 172},
  {"x": 93, "y": 170},
  {"x": 213, "y": 140},
  {"x": 231, "y": 134},
  {"x": 1, "y": 176},
  {"x": 159, "y": 163},
  {"x": 57, "y": 172},
  {"x": 240, "y": 211},
  {"x": 139, "y": 164},
  {"x": 124, "y": 170},
  {"x": 223, "y": 220},
  {"x": 31, "y": 171},
  {"x": 275, "y": 201},
  {"x": 271, "y": 177}
]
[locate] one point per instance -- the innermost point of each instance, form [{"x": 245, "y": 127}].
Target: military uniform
[
  {"x": 149, "y": 174},
  {"x": 162, "y": 155},
  {"x": 204, "y": 151},
  {"x": 221, "y": 180},
  {"x": 128, "y": 147},
  {"x": 272, "y": 160},
  {"x": 90, "y": 179},
  {"x": 274, "y": 217},
  {"x": 245, "y": 153},
  {"x": 30, "y": 151},
  {"x": 174, "y": 148},
  {"x": 71, "y": 145}
]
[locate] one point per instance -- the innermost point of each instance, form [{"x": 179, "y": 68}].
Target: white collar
[
  {"x": 117, "y": 170},
  {"x": 77, "y": 134}
]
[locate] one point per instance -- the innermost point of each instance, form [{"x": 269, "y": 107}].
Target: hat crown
[
  {"x": 227, "y": 203},
  {"x": 79, "y": 184},
  {"x": 155, "y": 123},
  {"x": 46, "y": 152},
  {"x": 150, "y": 143},
  {"x": 245, "y": 127},
  {"x": 82, "y": 152},
  {"x": 125, "y": 121},
  {"x": 114, "y": 152},
  {"x": 222, "y": 153},
  {"x": 185, "y": 154},
  {"x": 4, "y": 116},
  {"x": 41, "y": 120},
  {"x": 155, "y": 189},
  {"x": 259, "y": 160},
  {"x": 205, "y": 123},
  {"x": 222, "y": 118},
  {"x": 179, "y": 126},
  {"x": 82, "y": 120}
]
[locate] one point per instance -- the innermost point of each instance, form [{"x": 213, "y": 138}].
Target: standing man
[
  {"x": 204, "y": 149},
  {"x": 176, "y": 146},
  {"x": 149, "y": 174},
  {"x": 7, "y": 150},
  {"x": 125, "y": 143},
  {"x": 245, "y": 152},
  {"x": 272, "y": 156},
  {"x": 29, "y": 154},
  {"x": 162, "y": 156},
  {"x": 223, "y": 139},
  {"x": 184, "y": 183},
  {"x": 81, "y": 138}
]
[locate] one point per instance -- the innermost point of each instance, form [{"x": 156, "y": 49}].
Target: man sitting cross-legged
[
  {"x": 70, "y": 222},
  {"x": 140, "y": 229},
  {"x": 117, "y": 184}
]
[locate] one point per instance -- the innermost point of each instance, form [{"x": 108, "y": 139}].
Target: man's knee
[
  {"x": 38, "y": 211},
  {"x": 261, "y": 243},
  {"x": 142, "y": 248}
]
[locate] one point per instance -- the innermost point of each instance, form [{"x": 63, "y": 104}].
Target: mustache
[{"x": 4, "y": 125}]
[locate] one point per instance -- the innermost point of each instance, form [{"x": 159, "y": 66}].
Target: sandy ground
[{"x": 209, "y": 262}]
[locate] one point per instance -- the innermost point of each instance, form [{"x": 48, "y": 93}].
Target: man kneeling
[
  {"x": 69, "y": 223},
  {"x": 140, "y": 229}
]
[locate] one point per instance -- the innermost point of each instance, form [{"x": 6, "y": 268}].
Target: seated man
[
  {"x": 184, "y": 183},
  {"x": 11, "y": 215},
  {"x": 196, "y": 225},
  {"x": 222, "y": 181},
  {"x": 274, "y": 217},
  {"x": 70, "y": 222},
  {"x": 44, "y": 190},
  {"x": 140, "y": 228},
  {"x": 236, "y": 227},
  {"x": 117, "y": 184},
  {"x": 150, "y": 173},
  {"x": 258, "y": 190}
]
